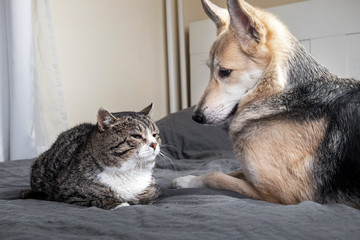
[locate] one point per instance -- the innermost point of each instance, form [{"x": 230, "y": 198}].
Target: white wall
[{"x": 111, "y": 53}]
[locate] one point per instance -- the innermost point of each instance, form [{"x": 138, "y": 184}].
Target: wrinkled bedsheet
[{"x": 180, "y": 213}]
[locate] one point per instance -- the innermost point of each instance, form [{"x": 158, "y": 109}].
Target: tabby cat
[{"x": 107, "y": 165}]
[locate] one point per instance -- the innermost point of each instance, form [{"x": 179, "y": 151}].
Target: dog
[{"x": 295, "y": 126}]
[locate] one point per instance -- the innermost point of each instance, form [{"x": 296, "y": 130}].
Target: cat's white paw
[
  {"x": 125, "y": 204},
  {"x": 189, "y": 181}
]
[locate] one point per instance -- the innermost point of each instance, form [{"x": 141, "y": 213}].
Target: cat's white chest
[{"x": 127, "y": 184}]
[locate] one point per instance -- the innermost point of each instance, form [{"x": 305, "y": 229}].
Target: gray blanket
[{"x": 180, "y": 213}]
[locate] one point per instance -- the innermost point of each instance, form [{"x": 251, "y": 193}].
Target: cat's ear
[
  {"x": 104, "y": 119},
  {"x": 148, "y": 110}
]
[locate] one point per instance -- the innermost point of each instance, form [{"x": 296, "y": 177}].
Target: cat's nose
[{"x": 153, "y": 145}]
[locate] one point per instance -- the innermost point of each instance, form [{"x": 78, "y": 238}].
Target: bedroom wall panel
[
  {"x": 324, "y": 50},
  {"x": 354, "y": 55},
  {"x": 202, "y": 35},
  {"x": 199, "y": 75}
]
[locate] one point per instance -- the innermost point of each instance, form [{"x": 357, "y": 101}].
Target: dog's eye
[{"x": 223, "y": 73}]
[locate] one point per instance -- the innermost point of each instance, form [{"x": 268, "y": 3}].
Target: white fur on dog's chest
[{"x": 127, "y": 184}]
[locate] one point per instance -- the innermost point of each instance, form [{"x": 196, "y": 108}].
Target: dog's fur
[{"x": 295, "y": 127}]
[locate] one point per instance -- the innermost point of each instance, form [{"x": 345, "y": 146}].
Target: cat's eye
[
  {"x": 223, "y": 73},
  {"x": 137, "y": 136},
  {"x": 155, "y": 135}
]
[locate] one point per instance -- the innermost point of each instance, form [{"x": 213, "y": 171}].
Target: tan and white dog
[{"x": 295, "y": 125}]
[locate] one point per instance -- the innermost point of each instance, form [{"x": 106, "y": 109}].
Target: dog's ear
[
  {"x": 243, "y": 20},
  {"x": 217, "y": 14}
]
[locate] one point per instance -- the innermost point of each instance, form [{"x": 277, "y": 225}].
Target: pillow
[{"x": 183, "y": 138}]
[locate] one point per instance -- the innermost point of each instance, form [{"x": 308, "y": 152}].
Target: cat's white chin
[
  {"x": 148, "y": 154},
  {"x": 149, "y": 158}
]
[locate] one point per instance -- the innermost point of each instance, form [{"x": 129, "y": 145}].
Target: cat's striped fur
[{"x": 103, "y": 165}]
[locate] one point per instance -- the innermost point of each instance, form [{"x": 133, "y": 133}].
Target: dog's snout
[{"x": 198, "y": 117}]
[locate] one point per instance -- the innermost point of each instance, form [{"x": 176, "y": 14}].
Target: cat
[{"x": 107, "y": 165}]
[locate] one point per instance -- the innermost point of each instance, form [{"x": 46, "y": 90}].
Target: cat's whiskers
[
  {"x": 168, "y": 146},
  {"x": 166, "y": 157}
]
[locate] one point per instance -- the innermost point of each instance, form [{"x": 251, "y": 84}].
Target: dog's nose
[{"x": 198, "y": 117}]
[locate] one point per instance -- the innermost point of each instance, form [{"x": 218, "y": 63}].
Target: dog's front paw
[{"x": 189, "y": 181}]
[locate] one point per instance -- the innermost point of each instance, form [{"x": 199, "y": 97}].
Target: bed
[{"x": 179, "y": 213}]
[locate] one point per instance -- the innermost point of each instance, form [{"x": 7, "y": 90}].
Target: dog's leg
[
  {"x": 237, "y": 174},
  {"x": 218, "y": 180}
]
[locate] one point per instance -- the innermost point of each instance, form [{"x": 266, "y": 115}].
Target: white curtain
[{"x": 32, "y": 106}]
